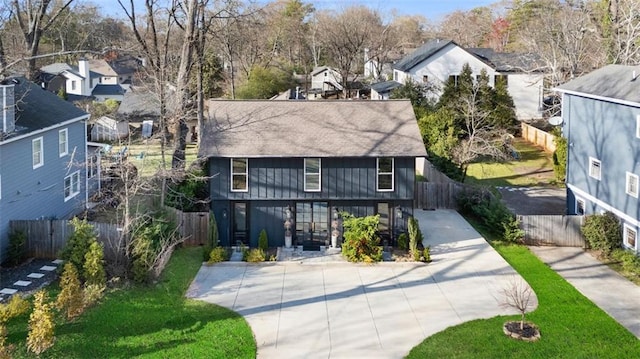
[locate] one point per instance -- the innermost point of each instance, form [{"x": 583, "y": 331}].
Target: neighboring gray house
[
  {"x": 82, "y": 82},
  {"x": 43, "y": 164},
  {"x": 313, "y": 158},
  {"x": 601, "y": 121},
  {"x": 382, "y": 90}
]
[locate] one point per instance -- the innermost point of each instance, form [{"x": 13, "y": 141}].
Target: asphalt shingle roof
[
  {"x": 423, "y": 52},
  {"x": 385, "y": 86},
  {"x": 102, "y": 89},
  {"x": 311, "y": 129},
  {"x": 612, "y": 81},
  {"x": 507, "y": 61}
]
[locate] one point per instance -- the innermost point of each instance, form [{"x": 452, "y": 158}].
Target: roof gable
[
  {"x": 618, "y": 83},
  {"x": 420, "y": 54},
  {"x": 311, "y": 129}
]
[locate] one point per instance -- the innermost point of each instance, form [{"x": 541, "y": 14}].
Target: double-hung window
[
  {"x": 71, "y": 185},
  {"x": 630, "y": 236},
  {"x": 312, "y": 174},
  {"x": 239, "y": 174},
  {"x": 632, "y": 184},
  {"x": 37, "y": 152},
  {"x": 595, "y": 168},
  {"x": 92, "y": 167},
  {"x": 385, "y": 174},
  {"x": 63, "y": 142}
]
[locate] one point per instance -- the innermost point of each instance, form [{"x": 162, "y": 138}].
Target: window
[
  {"x": 595, "y": 169},
  {"x": 92, "y": 166},
  {"x": 580, "y": 206},
  {"x": 312, "y": 174},
  {"x": 63, "y": 143},
  {"x": 73, "y": 85},
  {"x": 38, "y": 155},
  {"x": 454, "y": 80},
  {"x": 395, "y": 76},
  {"x": 638, "y": 126},
  {"x": 240, "y": 175},
  {"x": 425, "y": 78},
  {"x": 71, "y": 185},
  {"x": 501, "y": 78},
  {"x": 629, "y": 236},
  {"x": 385, "y": 174},
  {"x": 632, "y": 185}
]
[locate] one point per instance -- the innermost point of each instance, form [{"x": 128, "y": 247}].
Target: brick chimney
[{"x": 7, "y": 100}]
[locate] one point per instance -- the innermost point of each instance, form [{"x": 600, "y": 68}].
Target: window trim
[
  {"x": 638, "y": 126},
  {"x": 66, "y": 142},
  {"x": 592, "y": 161},
  {"x": 319, "y": 174},
  {"x": 40, "y": 162},
  {"x": 629, "y": 178},
  {"x": 74, "y": 188},
  {"x": 92, "y": 166},
  {"x": 392, "y": 173},
  {"x": 626, "y": 227},
  {"x": 245, "y": 174},
  {"x": 584, "y": 206}
]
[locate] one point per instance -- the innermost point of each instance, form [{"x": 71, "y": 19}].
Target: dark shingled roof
[
  {"x": 423, "y": 52},
  {"x": 102, "y": 89},
  {"x": 37, "y": 108},
  {"x": 615, "y": 82},
  {"x": 139, "y": 102},
  {"x": 507, "y": 61},
  {"x": 311, "y": 129},
  {"x": 385, "y": 86}
]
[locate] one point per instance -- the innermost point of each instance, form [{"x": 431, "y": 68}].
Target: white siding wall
[{"x": 526, "y": 91}]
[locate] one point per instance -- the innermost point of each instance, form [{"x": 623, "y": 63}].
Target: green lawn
[
  {"x": 571, "y": 326},
  {"x": 534, "y": 167},
  {"x": 147, "y": 157},
  {"x": 150, "y": 322}
]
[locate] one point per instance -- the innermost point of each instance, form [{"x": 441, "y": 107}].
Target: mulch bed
[
  {"x": 529, "y": 332},
  {"x": 10, "y": 275}
]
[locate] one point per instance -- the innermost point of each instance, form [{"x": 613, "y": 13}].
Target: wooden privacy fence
[
  {"x": 556, "y": 230},
  {"x": 431, "y": 195},
  {"x": 46, "y": 238},
  {"x": 538, "y": 137},
  {"x": 194, "y": 226}
]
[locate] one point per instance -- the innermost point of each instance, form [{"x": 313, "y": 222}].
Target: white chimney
[
  {"x": 7, "y": 101},
  {"x": 83, "y": 69}
]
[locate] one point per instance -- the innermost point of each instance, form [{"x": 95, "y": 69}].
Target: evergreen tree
[
  {"x": 70, "y": 300},
  {"x": 41, "y": 325}
]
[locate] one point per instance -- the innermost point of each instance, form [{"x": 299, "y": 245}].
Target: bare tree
[
  {"x": 518, "y": 295},
  {"x": 621, "y": 30}
]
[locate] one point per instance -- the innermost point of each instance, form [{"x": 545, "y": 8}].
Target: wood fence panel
[
  {"x": 437, "y": 195},
  {"x": 538, "y": 137},
  {"x": 557, "y": 230},
  {"x": 194, "y": 226}
]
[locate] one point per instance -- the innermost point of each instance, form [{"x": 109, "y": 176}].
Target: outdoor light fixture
[
  {"x": 224, "y": 213},
  {"x": 336, "y": 214},
  {"x": 399, "y": 212}
]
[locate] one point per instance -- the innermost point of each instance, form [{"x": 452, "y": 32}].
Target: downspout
[{"x": 86, "y": 164}]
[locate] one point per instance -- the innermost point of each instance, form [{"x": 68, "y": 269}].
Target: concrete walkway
[
  {"x": 343, "y": 310},
  {"x": 610, "y": 291}
]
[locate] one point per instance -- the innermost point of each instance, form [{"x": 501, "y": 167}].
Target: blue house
[
  {"x": 44, "y": 170},
  {"x": 309, "y": 160},
  {"x": 601, "y": 120}
]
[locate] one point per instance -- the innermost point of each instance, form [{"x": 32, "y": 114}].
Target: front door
[
  {"x": 312, "y": 224},
  {"x": 240, "y": 224},
  {"x": 384, "y": 224}
]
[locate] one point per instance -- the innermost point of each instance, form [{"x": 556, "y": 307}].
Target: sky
[{"x": 431, "y": 9}]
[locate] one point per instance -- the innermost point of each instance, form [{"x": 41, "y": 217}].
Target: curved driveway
[{"x": 317, "y": 309}]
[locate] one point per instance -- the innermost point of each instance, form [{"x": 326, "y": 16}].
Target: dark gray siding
[
  {"x": 29, "y": 193},
  {"x": 283, "y": 178},
  {"x": 605, "y": 131}
]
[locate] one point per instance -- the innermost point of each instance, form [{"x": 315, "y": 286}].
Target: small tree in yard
[
  {"x": 603, "y": 232},
  {"x": 415, "y": 238},
  {"x": 361, "y": 241},
  {"x": 518, "y": 296},
  {"x": 70, "y": 301},
  {"x": 78, "y": 244},
  {"x": 41, "y": 326},
  {"x": 94, "y": 265}
]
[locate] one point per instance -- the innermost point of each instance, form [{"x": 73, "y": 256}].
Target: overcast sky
[{"x": 431, "y": 9}]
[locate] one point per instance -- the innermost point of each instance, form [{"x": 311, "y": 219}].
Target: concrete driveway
[{"x": 343, "y": 310}]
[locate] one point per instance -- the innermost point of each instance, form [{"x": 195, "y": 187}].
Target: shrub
[
  {"x": 213, "y": 237},
  {"x": 149, "y": 241},
  {"x": 426, "y": 254},
  {"x": 255, "y": 255},
  {"x": 629, "y": 261},
  {"x": 512, "y": 231},
  {"x": 415, "y": 238},
  {"x": 78, "y": 244},
  {"x": 403, "y": 241},
  {"x": 189, "y": 195},
  {"x": 5, "y": 350},
  {"x": 92, "y": 293},
  {"x": 41, "y": 325},
  {"x": 15, "y": 252},
  {"x": 487, "y": 208},
  {"x": 559, "y": 155},
  {"x": 16, "y": 306},
  {"x": 263, "y": 241},
  {"x": 94, "y": 265},
  {"x": 603, "y": 232},
  {"x": 143, "y": 257},
  {"x": 218, "y": 254},
  {"x": 361, "y": 241},
  {"x": 70, "y": 300}
]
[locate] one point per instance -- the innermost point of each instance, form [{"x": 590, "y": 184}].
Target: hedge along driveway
[{"x": 354, "y": 310}]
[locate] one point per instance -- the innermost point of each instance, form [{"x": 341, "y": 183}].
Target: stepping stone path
[{"x": 27, "y": 278}]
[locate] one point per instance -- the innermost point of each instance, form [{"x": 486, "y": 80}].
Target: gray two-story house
[
  {"x": 601, "y": 121},
  {"x": 309, "y": 160},
  {"x": 43, "y": 165}
]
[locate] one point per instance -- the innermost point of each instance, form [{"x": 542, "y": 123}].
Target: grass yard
[
  {"x": 147, "y": 157},
  {"x": 150, "y": 322},
  {"x": 534, "y": 168},
  {"x": 571, "y": 325}
]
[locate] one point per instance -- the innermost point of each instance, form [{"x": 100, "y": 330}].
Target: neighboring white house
[
  {"x": 437, "y": 61},
  {"x": 382, "y": 90},
  {"x": 326, "y": 79}
]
